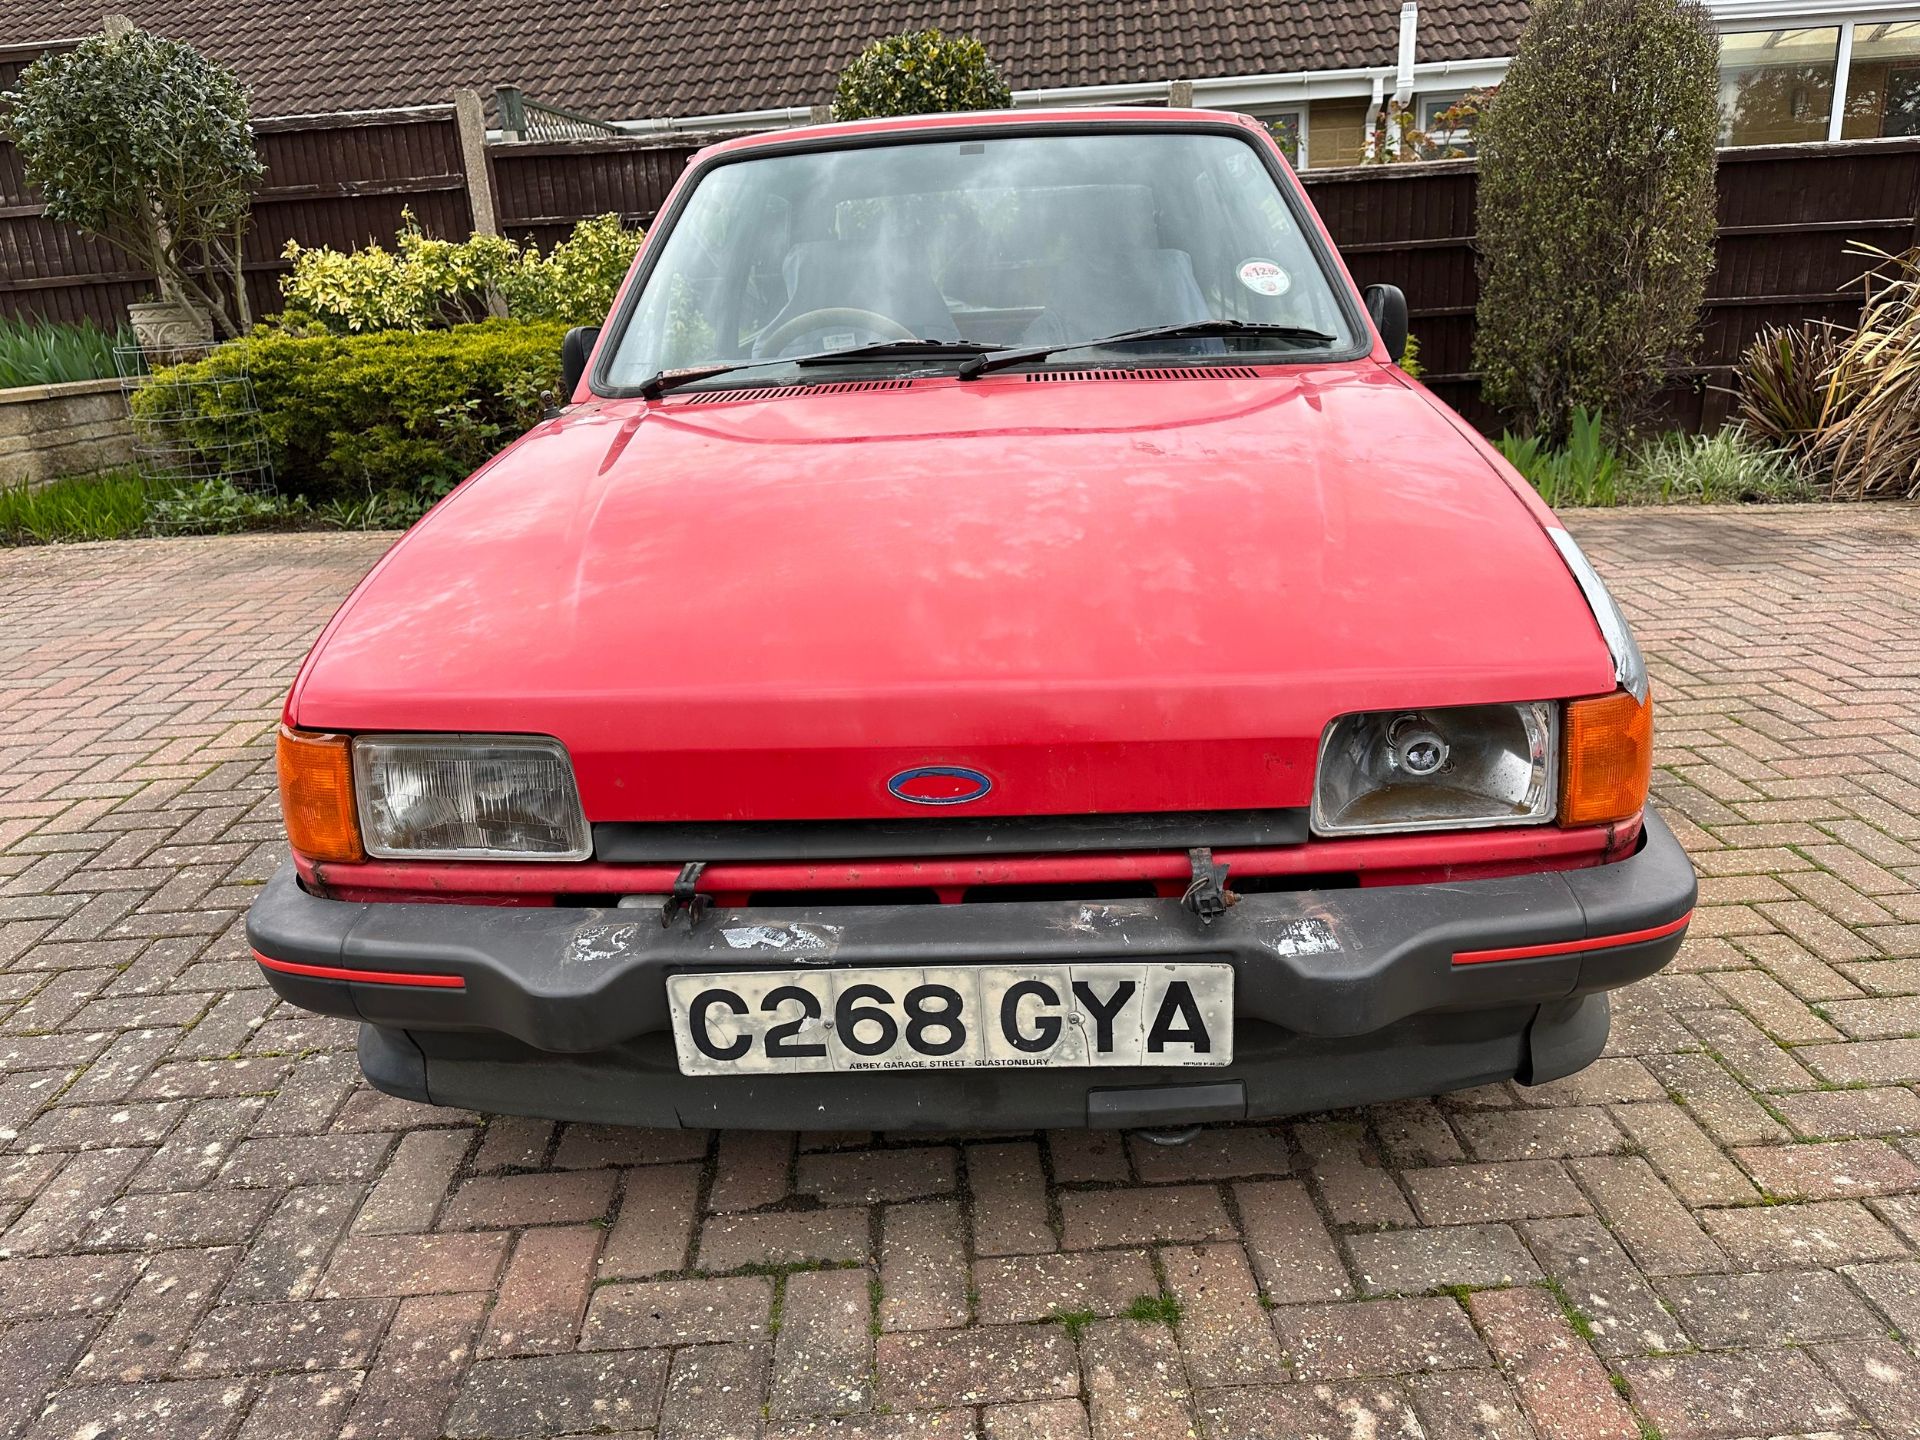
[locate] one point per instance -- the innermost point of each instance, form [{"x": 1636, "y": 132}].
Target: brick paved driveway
[{"x": 210, "y": 1227}]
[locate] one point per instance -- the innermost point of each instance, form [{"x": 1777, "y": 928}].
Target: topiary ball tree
[
  {"x": 922, "y": 72},
  {"x": 144, "y": 142},
  {"x": 1596, "y": 209}
]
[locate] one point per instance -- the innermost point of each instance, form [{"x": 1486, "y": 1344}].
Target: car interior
[
  {"x": 821, "y": 253},
  {"x": 1032, "y": 267}
]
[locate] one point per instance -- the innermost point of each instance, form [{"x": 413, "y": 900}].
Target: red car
[{"x": 994, "y": 641}]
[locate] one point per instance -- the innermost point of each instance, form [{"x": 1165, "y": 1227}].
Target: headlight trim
[
  {"x": 1629, "y": 665},
  {"x": 1544, "y": 737},
  {"x": 371, "y": 792}
]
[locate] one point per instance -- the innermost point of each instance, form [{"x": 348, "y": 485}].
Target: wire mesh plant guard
[{"x": 191, "y": 427}]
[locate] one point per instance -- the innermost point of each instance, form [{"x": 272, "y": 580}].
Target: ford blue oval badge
[{"x": 939, "y": 785}]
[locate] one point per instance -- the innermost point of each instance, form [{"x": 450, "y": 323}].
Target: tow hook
[
  {"x": 685, "y": 896},
  {"x": 1168, "y": 1138},
  {"x": 1207, "y": 895}
]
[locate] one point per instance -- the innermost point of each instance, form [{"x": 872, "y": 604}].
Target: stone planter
[
  {"x": 167, "y": 328},
  {"x": 47, "y": 431}
]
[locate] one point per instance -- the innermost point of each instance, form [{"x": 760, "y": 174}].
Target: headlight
[
  {"x": 1463, "y": 767},
  {"x": 468, "y": 797}
]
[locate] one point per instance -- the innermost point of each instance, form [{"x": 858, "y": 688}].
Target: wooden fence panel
[
  {"x": 1788, "y": 217},
  {"x": 1412, "y": 226},
  {"x": 344, "y": 181},
  {"x": 540, "y": 191},
  {"x": 339, "y": 180}
]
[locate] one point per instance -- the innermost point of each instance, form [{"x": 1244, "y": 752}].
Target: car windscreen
[{"x": 1042, "y": 238}]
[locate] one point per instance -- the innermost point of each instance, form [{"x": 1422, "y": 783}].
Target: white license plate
[{"x": 771, "y": 1022}]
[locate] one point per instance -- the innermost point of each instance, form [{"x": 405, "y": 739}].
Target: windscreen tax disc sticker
[{"x": 1263, "y": 277}]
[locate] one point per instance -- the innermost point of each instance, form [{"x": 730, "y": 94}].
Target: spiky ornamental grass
[
  {"x": 1781, "y": 387},
  {"x": 1596, "y": 209},
  {"x": 42, "y": 352},
  {"x": 1870, "y": 413}
]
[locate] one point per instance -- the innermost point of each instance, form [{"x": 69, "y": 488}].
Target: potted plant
[
  {"x": 171, "y": 328},
  {"x": 144, "y": 142}
]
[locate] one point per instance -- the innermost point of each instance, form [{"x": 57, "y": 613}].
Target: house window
[
  {"x": 1776, "y": 86},
  {"x": 1447, "y": 124},
  {"x": 1883, "y": 82},
  {"x": 1289, "y": 127}
]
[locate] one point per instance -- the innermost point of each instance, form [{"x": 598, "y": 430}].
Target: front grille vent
[
  {"x": 787, "y": 392},
  {"x": 1182, "y": 372},
  {"x": 913, "y": 837}
]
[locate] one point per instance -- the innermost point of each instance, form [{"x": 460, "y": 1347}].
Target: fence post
[
  {"x": 1914, "y": 161},
  {"x": 472, "y": 122},
  {"x": 513, "y": 111}
]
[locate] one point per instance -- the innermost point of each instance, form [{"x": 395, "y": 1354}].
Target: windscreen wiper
[
  {"x": 659, "y": 383},
  {"x": 897, "y": 349},
  {"x": 1192, "y": 330}
]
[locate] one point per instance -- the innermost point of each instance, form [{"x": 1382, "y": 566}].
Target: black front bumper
[{"x": 562, "y": 1011}]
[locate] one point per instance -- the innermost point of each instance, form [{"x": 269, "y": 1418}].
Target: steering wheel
[{"x": 771, "y": 343}]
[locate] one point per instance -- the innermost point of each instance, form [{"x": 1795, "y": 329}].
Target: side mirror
[
  {"x": 577, "y": 348},
  {"x": 1388, "y": 308}
]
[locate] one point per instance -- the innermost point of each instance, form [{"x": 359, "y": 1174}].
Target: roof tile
[{"x": 622, "y": 59}]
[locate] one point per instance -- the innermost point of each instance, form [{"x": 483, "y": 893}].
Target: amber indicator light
[
  {"x": 1609, "y": 759},
  {"x": 316, "y": 795}
]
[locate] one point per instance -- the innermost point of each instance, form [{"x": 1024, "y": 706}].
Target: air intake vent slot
[
  {"x": 1183, "y": 372},
  {"x": 753, "y": 841},
  {"x": 785, "y": 392}
]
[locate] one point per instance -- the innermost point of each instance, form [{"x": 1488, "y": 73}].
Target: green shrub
[
  {"x": 365, "y": 414},
  {"x": 1410, "y": 357},
  {"x": 420, "y": 284},
  {"x": 575, "y": 283},
  {"x": 219, "y": 507},
  {"x": 921, "y": 72},
  {"x": 1584, "y": 471},
  {"x": 1596, "y": 209},
  {"x": 381, "y": 509},
  {"x": 424, "y": 283},
  {"x": 41, "y": 352},
  {"x": 1725, "y": 468}
]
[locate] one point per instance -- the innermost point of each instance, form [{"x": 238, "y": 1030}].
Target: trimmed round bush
[
  {"x": 922, "y": 72},
  {"x": 144, "y": 142}
]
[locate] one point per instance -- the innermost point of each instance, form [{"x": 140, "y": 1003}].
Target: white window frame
[
  {"x": 1842, "y": 72},
  {"x": 1735, "y": 17}
]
